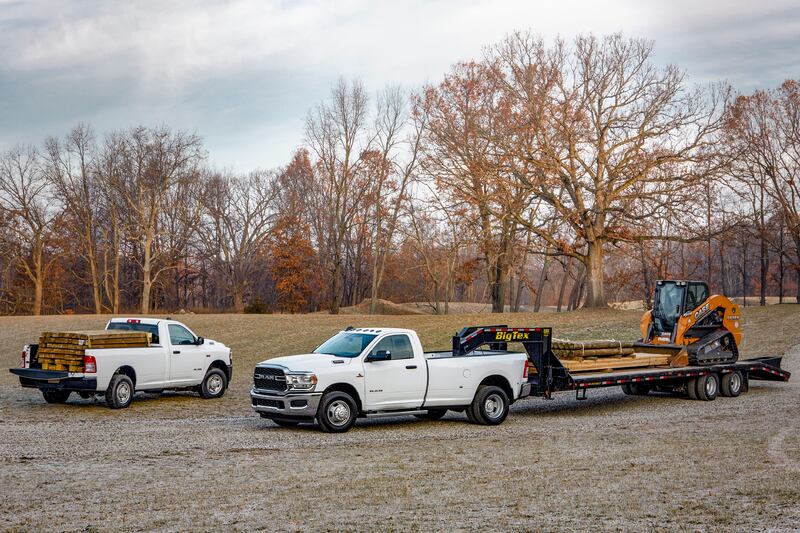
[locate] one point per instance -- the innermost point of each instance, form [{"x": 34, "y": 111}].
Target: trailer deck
[{"x": 549, "y": 374}]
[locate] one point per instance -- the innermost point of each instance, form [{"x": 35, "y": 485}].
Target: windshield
[
  {"x": 346, "y": 344},
  {"x": 127, "y": 326},
  {"x": 668, "y": 304}
]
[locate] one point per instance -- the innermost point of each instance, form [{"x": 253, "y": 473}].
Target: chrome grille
[{"x": 271, "y": 379}]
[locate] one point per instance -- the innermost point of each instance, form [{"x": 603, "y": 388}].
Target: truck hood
[{"x": 311, "y": 362}]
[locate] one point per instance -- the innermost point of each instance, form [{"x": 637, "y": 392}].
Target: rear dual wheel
[
  {"x": 56, "y": 396},
  {"x": 731, "y": 384},
  {"x": 635, "y": 389},
  {"x": 489, "y": 407}
]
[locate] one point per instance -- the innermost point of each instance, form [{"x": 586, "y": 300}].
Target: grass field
[{"x": 175, "y": 462}]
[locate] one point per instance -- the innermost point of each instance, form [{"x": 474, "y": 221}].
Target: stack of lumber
[
  {"x": 610, "y": 364},
  {"x": 580, "y": 350},
  {"x": 64, "y": 350}
]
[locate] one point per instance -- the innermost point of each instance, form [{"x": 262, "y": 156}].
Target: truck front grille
[{"x": 272, "y": 379}]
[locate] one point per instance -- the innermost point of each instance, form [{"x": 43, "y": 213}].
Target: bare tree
[
  {"x": 337, "y": 134},
  {"x": 238, "y": 211},
  {"x": 28, "y": 203},
  {"x": 153, "y": 162},
  {"x": 600, "y": 122}
]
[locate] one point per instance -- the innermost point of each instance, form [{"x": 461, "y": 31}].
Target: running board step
[{"x": 379, "y": 414}]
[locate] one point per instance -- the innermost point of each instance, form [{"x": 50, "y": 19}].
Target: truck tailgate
[{"x": 53, "y": 379}]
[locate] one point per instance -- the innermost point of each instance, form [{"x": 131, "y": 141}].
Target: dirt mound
[{"x": 382, "y": 307}]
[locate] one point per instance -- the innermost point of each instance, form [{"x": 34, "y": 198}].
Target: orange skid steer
[{"x": 691, "y": 326}]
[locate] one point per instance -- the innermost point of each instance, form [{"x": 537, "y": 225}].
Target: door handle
[
  {"x": 176, "y": 352},
  {"x": 411, "y": 367}
]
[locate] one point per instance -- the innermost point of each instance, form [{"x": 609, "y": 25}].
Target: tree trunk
[
  {"x": 38, "y": 292},
  {"x": 337, "y": 284},
  {"x": 540, "y": 288},
  {"x": 647, "y": 282},
  {"x": 147, "y": 282},
  {"x": 574, "y": 297},
  {"x": 764, "y": 264},
  {"x": 238, "y": 298},
  {"x": 499, "y": 287},
  {"x": 563, "y": 284},
  {"x": 595, "y": 296}
]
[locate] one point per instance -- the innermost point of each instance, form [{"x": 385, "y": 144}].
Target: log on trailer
[{"x": 64, "y": 350}]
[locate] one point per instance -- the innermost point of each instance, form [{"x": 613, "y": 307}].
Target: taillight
[
  {"x": 24, "y": 359},
  {"x": 89, "y": 364},
  {"x": 525, "y": 371}
]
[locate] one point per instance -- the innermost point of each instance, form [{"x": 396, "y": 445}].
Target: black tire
[
  {"x": 471, "y": 415},
  {"x": 707, "y": 387},
  {"x": 490, "y": 406},
  {"x": 119, "y": 393},
  {"x": 337, "y": 412},
  {"x": 691, "y": 388},
  {"x": 640, "y": 389},
  {"x": 286, "y": 423},
  {"x": 731, "y": 384},
  {"x": 432, "y": 414},
  {"x": 214, "y": 384},
  {"x": 56, "y": 396},
  {"x": 626, "y": 389}
]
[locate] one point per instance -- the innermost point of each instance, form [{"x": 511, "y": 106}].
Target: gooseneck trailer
[{"x": 547, "y": 374}]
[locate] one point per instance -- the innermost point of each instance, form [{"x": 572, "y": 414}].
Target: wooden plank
[{"x": 613, "y": 363}]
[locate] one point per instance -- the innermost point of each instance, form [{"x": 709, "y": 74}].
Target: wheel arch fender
[
  {"x": 349, "y": 389},
  {"x": 219, "y": 363},
  {"x": 128, "y": 371},
  {"x": 501, "y": 381}
]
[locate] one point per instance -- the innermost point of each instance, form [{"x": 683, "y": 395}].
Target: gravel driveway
[{"x": 612, "y": 462}]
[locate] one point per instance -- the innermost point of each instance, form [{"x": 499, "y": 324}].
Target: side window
[
  {"x": 697, "y": 295},
  {"x": 180, "y": 335},
  {"x": 398, "y": 345}
]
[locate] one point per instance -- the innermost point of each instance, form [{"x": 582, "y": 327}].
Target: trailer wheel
[
  {"x": 707, "y": 387},
  {"x": 731, "y": 384},
  {"x": 490, "y": 406},
  {"x": 214, "y": 384},
  {"x": 432, "y": 414},
  {"x": 626, "y": 389},
  {"x": 56, "y": 396},
  {"x": 640, "y": 389},
  {"x": 337, "y": 412},
  {"x": 119, "y": 393},
  {"x": 691, "y": 388}
]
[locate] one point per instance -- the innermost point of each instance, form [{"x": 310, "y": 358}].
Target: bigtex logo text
[{"x": 510, "y": 336}]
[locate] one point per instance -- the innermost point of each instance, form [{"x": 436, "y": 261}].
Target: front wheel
[
  {"x": 119, "y": 393},
  {"x": 490, "y": 406},
  {"x": 337, "y": 412},
  {"x": 56, "y": 396},
  {"x": 214, "y": 384}
]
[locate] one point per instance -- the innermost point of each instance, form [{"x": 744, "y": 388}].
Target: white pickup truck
[
  {"x": 369, "y": 372},
  {"x": 175, "y": 359}
]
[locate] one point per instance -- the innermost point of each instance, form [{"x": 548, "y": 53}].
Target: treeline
[{"x": 560, "y": 174}]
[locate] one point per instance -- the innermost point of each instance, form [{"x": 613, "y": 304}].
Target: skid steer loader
[{"x": 690, "y": 325}]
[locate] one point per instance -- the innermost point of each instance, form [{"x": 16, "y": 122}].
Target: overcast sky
[{"x": 243, "y": 73}]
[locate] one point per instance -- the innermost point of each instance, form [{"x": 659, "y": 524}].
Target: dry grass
[{"x": 177, "y": 462}]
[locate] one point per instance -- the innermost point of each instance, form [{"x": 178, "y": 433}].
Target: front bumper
[
  {"x": 53, "y": 380},
  {"x": 293, "y": 405}
]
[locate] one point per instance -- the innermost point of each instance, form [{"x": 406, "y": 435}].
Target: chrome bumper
[{"x": 291, "y": 405}]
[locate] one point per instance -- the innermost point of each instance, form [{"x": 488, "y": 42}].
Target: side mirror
[
  {"x": 380, "y": 355},
  {"x": 200, "y": 341}
]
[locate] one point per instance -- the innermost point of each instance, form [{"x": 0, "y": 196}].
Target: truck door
[
  {"x": 186, "y": 357},
  {"x": 398, "y": 383}
]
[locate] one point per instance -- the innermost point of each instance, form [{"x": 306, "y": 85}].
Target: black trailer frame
[{"x": 552, "y": 376}]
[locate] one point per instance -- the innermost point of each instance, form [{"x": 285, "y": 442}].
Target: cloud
[{"x": 243, "y": 73}]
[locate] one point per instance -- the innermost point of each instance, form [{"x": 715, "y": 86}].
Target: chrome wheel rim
[
  {"x": 736, "y": 383},
  {"x": 338, "y": 413},
  {"x": 711, "y": 386},
  {"x": 214, "y": 384},
  {"x": 123, "y": 392},
  {"x": 493, "y": 406}
]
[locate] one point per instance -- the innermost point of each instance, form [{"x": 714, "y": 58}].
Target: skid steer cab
[{"x": 699, "y": 328}]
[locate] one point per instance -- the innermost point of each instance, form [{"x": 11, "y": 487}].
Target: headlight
[{"x": 301, "y": 381}]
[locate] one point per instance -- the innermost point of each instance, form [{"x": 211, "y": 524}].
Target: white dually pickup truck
[
  {"x": 175, "y": 359},
  {"x": 369, "y": 372}
]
